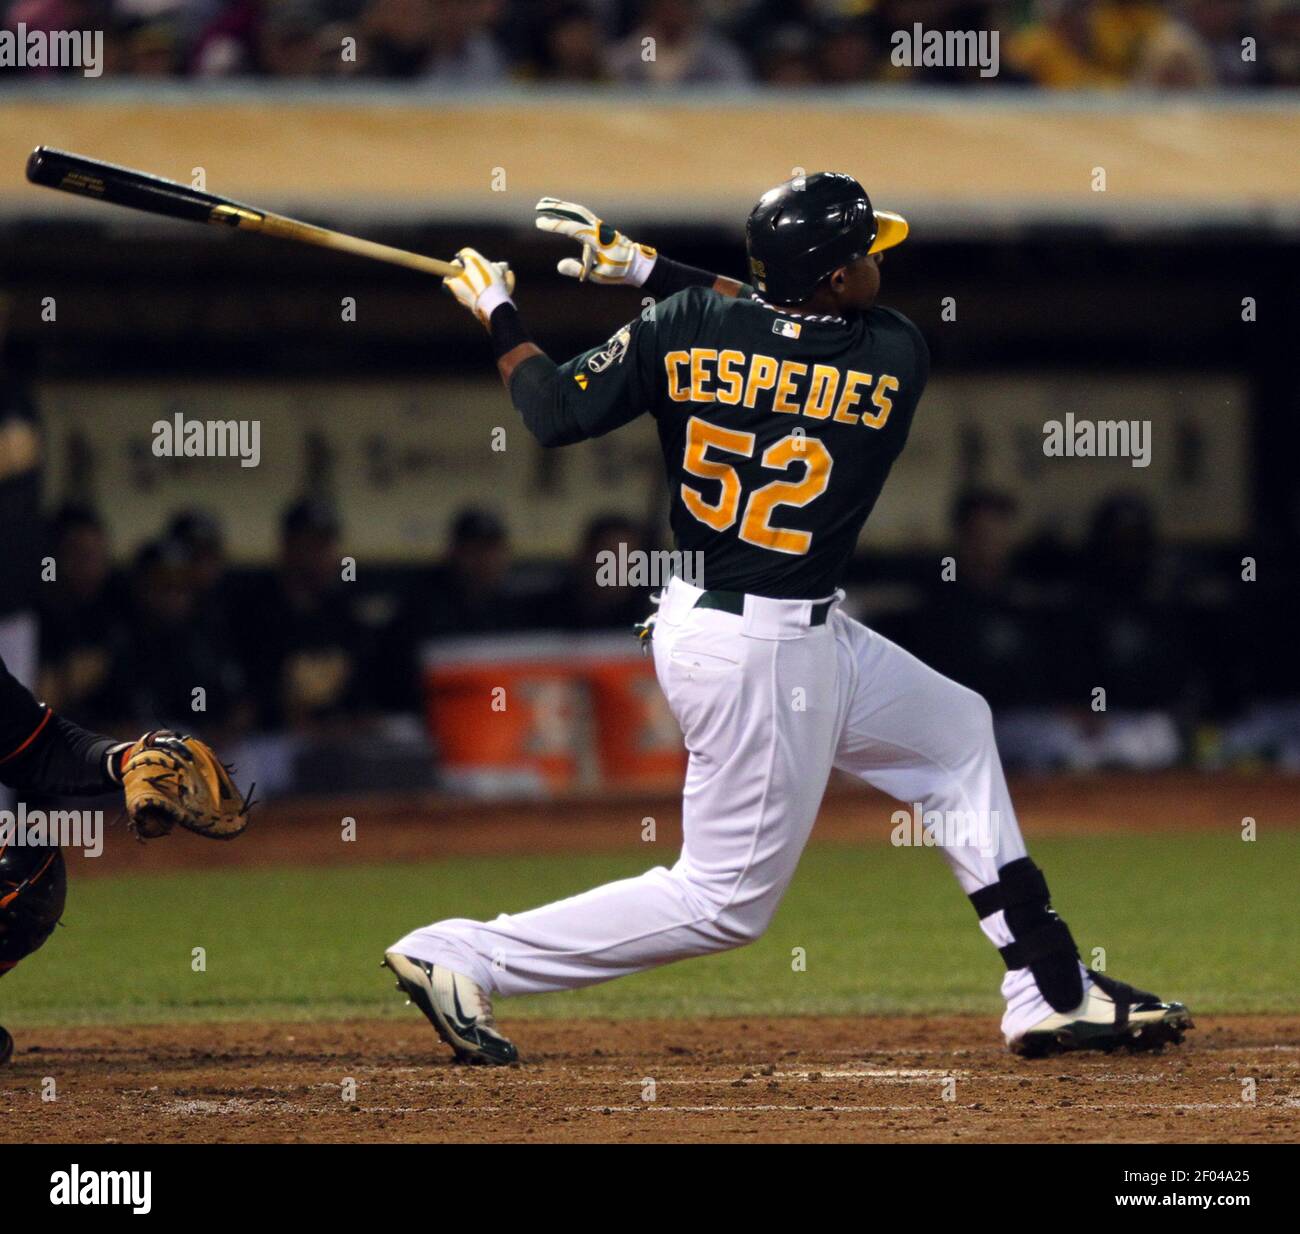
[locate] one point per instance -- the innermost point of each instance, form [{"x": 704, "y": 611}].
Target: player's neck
[
  {"x": 816, "y": 308},
  {"x": 822, "y": 303}
]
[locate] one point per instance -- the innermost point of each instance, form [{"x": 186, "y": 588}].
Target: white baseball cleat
[
  {"x": 1112, "y": 1016},
  {"x": 460, "y": 1010}
]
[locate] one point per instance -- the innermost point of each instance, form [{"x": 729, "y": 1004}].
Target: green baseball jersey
[{"x": 777, "y": 430}]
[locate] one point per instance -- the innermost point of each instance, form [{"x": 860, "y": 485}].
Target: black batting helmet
[
  {"x": 808, "y": 227},
  {"x": 33, "y": 888}
]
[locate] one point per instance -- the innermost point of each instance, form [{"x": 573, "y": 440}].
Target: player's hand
[
  {"x": 608, "y": 256},
  {"x": 482, "y": 285}
]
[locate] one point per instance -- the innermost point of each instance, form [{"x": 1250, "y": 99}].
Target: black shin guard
[{"x": 1042, "y": 942}]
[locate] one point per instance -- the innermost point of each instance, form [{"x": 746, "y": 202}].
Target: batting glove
[
  {"x": 608, "y": 256},
  {"x": 482, "y": 285}
]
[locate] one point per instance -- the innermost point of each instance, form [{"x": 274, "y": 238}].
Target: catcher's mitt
[{"x": 171, "y": 780}]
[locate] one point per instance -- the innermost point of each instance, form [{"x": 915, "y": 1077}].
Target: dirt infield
[{"x": 875, "y": 1079}]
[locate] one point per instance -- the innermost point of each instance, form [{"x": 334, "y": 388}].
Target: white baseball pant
[{"x": 768, "y": 704}]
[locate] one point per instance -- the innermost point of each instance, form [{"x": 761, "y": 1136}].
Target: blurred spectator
[
  {"x": 1268, "y": 724},
  {"x": 465, "y": 49},
  {"x": 304, "y": 647},
  {"x": 846, "y": 54},
  {"x": 84, "y": 615},
  {"x": 447, "y": 42},
  {"x": 200, "y": 534},
  {"x": 288, "y": 38},
  {"x": 673, "y": 46},
  {"x": 1279, "y": 42},
  {"x": 1060, "y": 48},
  {"x": 175, "y": 672},
  {"x": 1059, "y": 44},
  {"x": 1039, "y": 662},
  {"x": 591, "y": 595},
  {"x": 570, "y": 45},
  {"x": 1130, "y": 643},
  {"x": 976, "y": 628},
  {"x": 787, "y": 57},
  {"x": 227, "y": 45},
  {"x": 1113, "y": 616},
  {"x": 1175, "y": 57},
  {"x": 1073, "y": 44},
  {"x": 1222, "y": 25},
  {"x": 20, "y": 507},
  {"x": 50, "y": 15},
  {"x": 1122, "y": 29},
  {"x": 467, "y": 594},
  {"x": 148, "y": 48},
  {"x": 294, "y": 41},
  {"x": 398, "y": 35},
  {"x": 780, "y": 38}
]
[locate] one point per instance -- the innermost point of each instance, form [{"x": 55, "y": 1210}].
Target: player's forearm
[
  {"x": 667, "y": 277},
  {"x": 533, "y": 381},
  {"x": 61, "y": 758}
]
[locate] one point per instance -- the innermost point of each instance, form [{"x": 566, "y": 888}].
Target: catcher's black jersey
[
  {"x": 44, "y": 753},
  {"x": 777, "y": 431},
  {"x": 21, "y": 717}
]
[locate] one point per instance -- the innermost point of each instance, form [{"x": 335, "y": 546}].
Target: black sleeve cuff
[
  {"x": 507, "y": 330},
  {"x": 668, "y": 277}
]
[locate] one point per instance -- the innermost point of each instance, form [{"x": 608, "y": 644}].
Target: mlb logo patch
[{"x": 786, "y": 329}]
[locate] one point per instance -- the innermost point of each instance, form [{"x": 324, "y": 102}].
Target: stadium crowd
[
  {"x": 469, "y": 44},
  {"x": 1197, "y": 665}
]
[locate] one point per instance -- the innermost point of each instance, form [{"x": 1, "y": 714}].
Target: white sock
[{"x": 1025, "y": 1004}]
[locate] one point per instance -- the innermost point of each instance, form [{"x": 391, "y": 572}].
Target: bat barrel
[
  {"x": 71, "y": 173},
  {"x": 123, "y": 186}
]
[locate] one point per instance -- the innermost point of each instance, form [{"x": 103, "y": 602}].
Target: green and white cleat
[
  {"x": 1112, "y": 1016},
  {"x": 460, "y": 1010}
]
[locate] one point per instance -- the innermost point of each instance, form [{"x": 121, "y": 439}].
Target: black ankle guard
[{"x": 1042, "y": 941}]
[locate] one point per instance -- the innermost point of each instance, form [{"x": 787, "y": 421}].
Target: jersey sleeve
[
  {"x": 922, "y": 375},
  {"x": 21, "y": 720},
  {"x": 606, "y": 386},
  {"x": 914, "y": 375},
  {"x": 44, "y": 753},
  {"x": 920, "y": 350},
  {"x": 610, "y": 385}
]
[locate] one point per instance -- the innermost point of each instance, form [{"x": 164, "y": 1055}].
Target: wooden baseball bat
[{"x": 73, "y": 173}]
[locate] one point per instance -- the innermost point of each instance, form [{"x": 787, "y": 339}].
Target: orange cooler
[
  {"x": 638, "y": 742},
  {"x": 506, "y": 714}
]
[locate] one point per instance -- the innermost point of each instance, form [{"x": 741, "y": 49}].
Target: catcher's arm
[
  {"x": 42, "y": 752},
  {"x": 610, "y": 257}
]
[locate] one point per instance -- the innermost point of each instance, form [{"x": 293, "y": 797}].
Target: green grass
[{"x": 1205, "y": 918}]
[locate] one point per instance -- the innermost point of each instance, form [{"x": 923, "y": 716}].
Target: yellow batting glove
[
  {"x": 608, "y": 256},
  {"x": 482, "y": 285}
]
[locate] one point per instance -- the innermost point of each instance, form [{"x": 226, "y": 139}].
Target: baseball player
[
  {"x": 167, "y": 780},
  {"x": 780, "y": 406}
]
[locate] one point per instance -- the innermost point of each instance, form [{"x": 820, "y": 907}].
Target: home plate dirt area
[{"x": 895, "y": 1079}]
